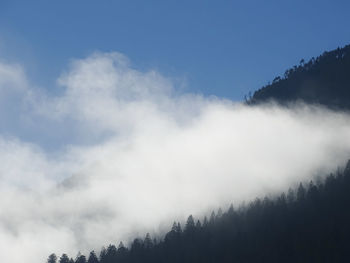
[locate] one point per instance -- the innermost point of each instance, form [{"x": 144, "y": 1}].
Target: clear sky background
[{"x": 222, "y": 48}]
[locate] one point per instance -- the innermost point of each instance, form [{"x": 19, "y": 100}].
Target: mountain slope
[
  {"x": 324, "y": 80},
  {"x": 307, "y": 224}
]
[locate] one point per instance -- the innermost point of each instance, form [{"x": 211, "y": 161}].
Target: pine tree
[
  {"x": 52, "y": 258},
  {"x": 92, "y": 258},
  {"x": 80, "y": 259},
  {"x": 189, "y": 224},
  {"x": 148, "y": 243},
  {"x": 64, "y": 259},
  {"x": 301, "y": 193}
]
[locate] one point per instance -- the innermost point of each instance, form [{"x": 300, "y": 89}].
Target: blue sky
[{"x": 222, "y": 48}]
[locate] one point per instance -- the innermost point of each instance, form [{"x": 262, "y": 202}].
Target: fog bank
[{"x": 121, "y": 152}]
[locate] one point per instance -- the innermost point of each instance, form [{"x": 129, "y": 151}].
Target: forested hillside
[
  {"x": 323, "y": 80},
  {"x": 306, "y": 224}
]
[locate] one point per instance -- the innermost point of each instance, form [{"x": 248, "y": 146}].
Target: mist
[{"x": 115, "y": 152}]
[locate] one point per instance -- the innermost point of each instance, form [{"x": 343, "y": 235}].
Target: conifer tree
[
  {"x": 64, "y": 259},
  {"x": 52, "y": 258},
  {"x": 92, "y": 258}
]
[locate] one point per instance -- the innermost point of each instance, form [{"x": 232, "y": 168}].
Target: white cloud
[
  {"x": 12, "y": 78},
  {"x": 148, "y": 157}
]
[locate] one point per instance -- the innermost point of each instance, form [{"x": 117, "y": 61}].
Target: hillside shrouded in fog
[
  {"x": 130, "y": 154},
  {"x": 308, "y": 223},
  {"x": 133, "y": 121}
]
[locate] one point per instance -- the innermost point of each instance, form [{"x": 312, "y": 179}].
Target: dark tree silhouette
[
  {"x": 190, "y": 226},
  {"x": 80, "y": 259},
  {"x": 92, "y": 258},
  {"x": 64, "y": 259},
  {"x": 148, "y": 242},
  {"x": 52, "y": 258}
]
